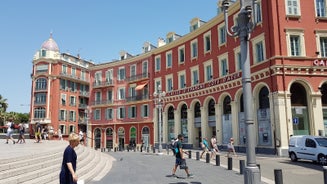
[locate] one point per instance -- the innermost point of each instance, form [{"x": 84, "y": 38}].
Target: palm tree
[{"x": 3, "y": 108}]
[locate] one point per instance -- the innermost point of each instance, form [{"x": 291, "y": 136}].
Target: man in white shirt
[{"x": 10, "y": 131}]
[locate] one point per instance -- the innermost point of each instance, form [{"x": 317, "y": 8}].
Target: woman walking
[{"x": 68, "y": 167}]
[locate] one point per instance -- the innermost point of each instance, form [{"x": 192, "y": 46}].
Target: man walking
[
  {"x": 180, "y": 160},
  {"x": 10, "y": 131}
]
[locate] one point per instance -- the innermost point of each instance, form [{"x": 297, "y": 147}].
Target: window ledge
[{"x": 293, "y": 17}]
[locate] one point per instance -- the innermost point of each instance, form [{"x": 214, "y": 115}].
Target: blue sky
[{"x": 97, "y": 30}]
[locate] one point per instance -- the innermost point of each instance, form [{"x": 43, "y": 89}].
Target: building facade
[
  {"x": 201, "y": 75},
  {"x": 60, "y": 90}
]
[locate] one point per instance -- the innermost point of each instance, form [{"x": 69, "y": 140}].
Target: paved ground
[{"x": 149, "y": 168}]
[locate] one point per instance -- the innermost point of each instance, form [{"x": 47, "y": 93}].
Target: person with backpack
[
  {"x": 180, "y": 160},
  {"x": 10, "y": 130},
  {"x": 204, "y": 146},
  {"x": 38, "y": 131},
  {"x": 21, "y": 138}
]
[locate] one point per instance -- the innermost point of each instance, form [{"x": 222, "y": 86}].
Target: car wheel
[
  {"x": 322, "y": 160},
  {"x": 293, "y": 157}
]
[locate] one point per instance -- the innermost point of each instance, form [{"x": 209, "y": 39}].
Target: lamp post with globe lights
[
  {"x": 245, "y": 25},
  {"x": 159, "y": 96}
]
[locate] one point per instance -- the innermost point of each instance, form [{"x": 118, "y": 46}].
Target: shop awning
[{"x": 141, "y": 85}]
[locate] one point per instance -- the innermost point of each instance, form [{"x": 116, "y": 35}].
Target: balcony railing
[
  {"x": 102, "y": 102},
  {"x": 98, "y": 84},
  {"x": 137, "y": 98},
  {"x": 74, "y": 77},
  {"x": 138, "y": 77}
]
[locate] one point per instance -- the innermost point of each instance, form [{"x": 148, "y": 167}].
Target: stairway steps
[{"x": 44, "y": 168}]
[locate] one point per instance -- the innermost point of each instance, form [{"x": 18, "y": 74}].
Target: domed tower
[
  {"x": 49, "y": 49},
  {"x": 60, "y": 90}
]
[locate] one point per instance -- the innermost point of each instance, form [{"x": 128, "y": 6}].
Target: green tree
[{"x": 3, "y": 109}]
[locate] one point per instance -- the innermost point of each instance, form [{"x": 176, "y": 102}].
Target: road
[{"x": 136, "y": 167}]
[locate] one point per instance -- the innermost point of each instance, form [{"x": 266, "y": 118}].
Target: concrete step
[
  {"x": 43, "y": 167},
  {"x": 29, "y": 169}
]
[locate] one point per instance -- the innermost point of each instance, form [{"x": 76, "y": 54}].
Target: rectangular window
[
  {"x": 72, "y": 116},
  {"x": 145, "y": 68},
  {"x": 73, "y": 72},
  {"x": 109, "y": 113},
  {"x": 133, "y": 71},
  {"x": 132, "y": 112},
  {"x": 97, "y": 98},
  {"x": 258, "y": 12},
  {"x": 321, "y": 8},
  {"x": 109, "y": 96},
  {"x": 224, "y": 67},
  {"x": 207, "y": 41},
  {"x": 121, "y": 93},
  {"x": 63, "y": 99},
  {"x": 169, "y": 60},
  {"x": 64, "y": 69},
  {"x": 97, "y": 78},
  {"x": 323, "y": 46},
  {"x": 169, "y": 84},
  {"x": 145, "y": 111},
  {"x": 181, "y": 54},
  {"x": 62, "y": 115},
  {"x": 195, "y": 74},
  {"x": 208, "y": 73},
  {"x": 182, "y": 83},
  {"x": 194, "y": 49},
  {"x": 72, "y": 101},
  {"x": 158, "y": 63},
  {"x": 259, "y": 52},
  {"x": 295, "y": 45},
  {"x": 121, "y": 113},
  {"x": 222, "y": 35},
  {"x": 109, "y": 76},
  {"x": 97, "y": 114},
  {"x": 121, "y": 74},
  {"x": 293, "y": 7}
]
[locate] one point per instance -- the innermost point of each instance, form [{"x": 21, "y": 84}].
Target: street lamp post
[
  {"x": 159, "y": 100},
  {"x": 243, "y": 31}
]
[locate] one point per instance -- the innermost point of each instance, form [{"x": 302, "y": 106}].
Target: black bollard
[
  {"x": 325, "y": 174},
  {"x": 217, "y": 160},
  {"x": 278, "y": 176},
  {"x": 154, "y": 150},
  {"x": 197, "y": 155},
  {"x": 147, "y": 149},
  {"x": 189, "y": 154},
  {"x": 242, "y": 166},
  {"x": 230, "y": 163},
  {"x": 207, "y": 157}
]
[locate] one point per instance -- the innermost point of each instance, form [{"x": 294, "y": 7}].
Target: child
[{"x": 230, "y": 147}]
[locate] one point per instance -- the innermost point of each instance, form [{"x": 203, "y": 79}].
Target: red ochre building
[{"x": 200, "y": 73}]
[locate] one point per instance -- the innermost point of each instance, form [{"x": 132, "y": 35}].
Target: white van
[{"x": 308, "y": 147}]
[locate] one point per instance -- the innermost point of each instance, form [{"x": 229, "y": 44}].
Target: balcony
[
  {"x": 135, "y": 78},
  {"x": 102, "y": 102},
  {"x": 100, "y": 84},
  {"x": 137, "y": 98},
  {"x": 82, "y": 106},
  {"x": 74, "y": 78},
  {"x": 84, "y": 93}
]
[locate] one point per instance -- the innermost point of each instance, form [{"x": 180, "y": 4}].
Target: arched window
[
  {"x": 264, "y": 98},
  {"x": 211, "y": 108},
  {"x": 41, "y": 84},
  {"x": 227, "y": 105},
  {"x": 197, "y": 110},
  {"x": 171, "y": 113},
  {"x": 184, "y": 112},
  {"x": 39, "y": 112}
]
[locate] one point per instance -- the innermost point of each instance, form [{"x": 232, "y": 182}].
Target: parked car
[{"x": 308, "y": 147}]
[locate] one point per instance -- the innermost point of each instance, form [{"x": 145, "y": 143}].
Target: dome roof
[{"x": 50, "y": 45}]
